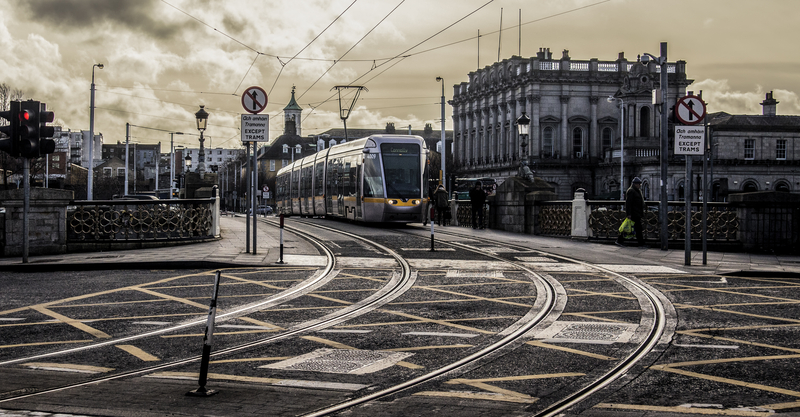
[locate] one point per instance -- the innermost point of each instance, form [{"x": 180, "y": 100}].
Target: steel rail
[
  {"x": 396, "y": 286},
  {"x": 654, "y": 334},
  {"x": 523, "y": 326}
]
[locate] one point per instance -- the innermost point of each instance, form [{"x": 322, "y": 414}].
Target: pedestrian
[
  {"x": 477, "y": 198},
  {"x": 634, "y": 210},
  {"x": 442, "y": 203}
]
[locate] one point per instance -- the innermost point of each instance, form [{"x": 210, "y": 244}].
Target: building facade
[{"x": 575, "y": 130}]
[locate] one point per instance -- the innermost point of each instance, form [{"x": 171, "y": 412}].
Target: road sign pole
[
  {"x": 247, "y": 200},
  {"x": 687, "y": 196}
]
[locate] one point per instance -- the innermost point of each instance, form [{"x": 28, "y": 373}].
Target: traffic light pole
[{"x": 26, "y": 205}]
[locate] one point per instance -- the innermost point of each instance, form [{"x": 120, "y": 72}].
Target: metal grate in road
[{"x": 341, "y": 361}]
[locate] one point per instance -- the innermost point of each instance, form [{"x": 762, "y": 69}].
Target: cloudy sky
[{"x": 163, "y": 58}]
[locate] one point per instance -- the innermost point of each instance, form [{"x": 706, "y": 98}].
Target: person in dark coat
[
  {"x": 634, "y": 210},
  {"x": 477, "y": 198},
  {"x": 440, "y": 198}
]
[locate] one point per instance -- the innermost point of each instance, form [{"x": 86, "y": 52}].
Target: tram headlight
[
  {"x": 393, "y": 202},
  {"x": 416, "y": 202}
]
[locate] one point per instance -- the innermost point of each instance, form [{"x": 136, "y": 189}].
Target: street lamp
[
  {"x": 662, "y": 211},
  {"x": 612, "y": 99},
  {"x": 523, "y": 123},
  {"x": 91, "y": 138},
  {"x": 202, "y": 123},
  {"x": 188, "y": 163},
  {"x": 444, "y": 141}
]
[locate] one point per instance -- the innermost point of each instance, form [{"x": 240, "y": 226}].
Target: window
[
  {"x": 644, "y": 122},
  {"x": 56, "y": 166},
  {"x": 120, "y": 172},
  {"x": 547, "y": 142},
  {"x": 577, "y": 142},
  {"x": 284, "y": 163},
  {"x": 272, "y": 165},
  {"x": 107, "y": 172},
  {"x": 58, "y": 157},
  {"x": 749, "y": 148},
  {"x": 607, "y": 137},
  {"x": 780, "y": 149},
  {"x": 285, "y": 148}
]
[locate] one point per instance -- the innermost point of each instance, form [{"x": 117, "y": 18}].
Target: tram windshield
[{"x": 401, "y": 169}]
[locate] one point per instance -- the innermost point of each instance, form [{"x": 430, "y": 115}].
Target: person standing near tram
[{"x": 477, "y": 199}]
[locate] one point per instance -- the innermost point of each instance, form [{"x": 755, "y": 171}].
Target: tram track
[
  {"x": 394, "y": 287},
  {"x": 651, "y": 300}
]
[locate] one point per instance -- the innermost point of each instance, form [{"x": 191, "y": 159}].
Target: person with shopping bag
[{"x": 634, "y": 211}]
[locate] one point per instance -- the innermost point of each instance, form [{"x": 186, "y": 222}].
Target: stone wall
[
  {"x": 47, "y": 221},
  {"x": 513, "y": 205}
]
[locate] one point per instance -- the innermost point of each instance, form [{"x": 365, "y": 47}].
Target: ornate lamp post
[
  {"x": 202, "y": 123},
  {"x": 523, "y": 123},
  {"x": 91, "y": 140}
]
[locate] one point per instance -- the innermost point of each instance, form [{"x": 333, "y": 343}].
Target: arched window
[
  {"x": 607, "y": 136},
  {"x": 645, "y": 190},
  {"x": 782, "y": 186},
  {"x": 681, "y": 190},
  {"x": 644, "y": 121},
  {"x": 749, "y": 187},
  {"x": 547, "y": 142},
  {"x": 577, "y": 142}
]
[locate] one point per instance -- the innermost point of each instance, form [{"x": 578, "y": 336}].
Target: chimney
[{"x": 770, "y": 105}]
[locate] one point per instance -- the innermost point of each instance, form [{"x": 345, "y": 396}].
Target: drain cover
[
  {"x": 588, "y": 332},
  {"x": 341, "y": 361}
]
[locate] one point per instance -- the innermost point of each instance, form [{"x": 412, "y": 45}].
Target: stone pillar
[
  {"x": 580, "y": 215},
  {"x": 47, "y": 221}
]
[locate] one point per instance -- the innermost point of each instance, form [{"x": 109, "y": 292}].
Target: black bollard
[{"x": 212, "y": 313}]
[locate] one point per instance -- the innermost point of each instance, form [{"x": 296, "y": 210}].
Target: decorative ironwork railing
[
  {"x": 140, "y": 220},
  {"x": 722, "y": 223},
  {"x": 555, "y": 218},
  {"x": 464, "y": 214}
]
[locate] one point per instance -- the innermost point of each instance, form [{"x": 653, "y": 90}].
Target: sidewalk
[{"x": 230, "y": 251}]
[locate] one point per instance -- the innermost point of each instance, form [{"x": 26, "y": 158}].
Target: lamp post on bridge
[{"x": 662, "y": 210}]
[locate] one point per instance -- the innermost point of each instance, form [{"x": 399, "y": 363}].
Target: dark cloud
[{"x": 138, "y": 15}]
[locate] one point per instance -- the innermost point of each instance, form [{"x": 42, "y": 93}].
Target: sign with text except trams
[{"x": 255, "y": 128}]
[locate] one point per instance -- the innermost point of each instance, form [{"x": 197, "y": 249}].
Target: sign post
[
  {"x": 689, "y": 140},
  {"x": 255, "y": 128}
]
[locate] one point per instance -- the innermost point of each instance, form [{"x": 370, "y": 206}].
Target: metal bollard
[
  {"x": 432, "y": 221},
  {"x": 280, "y": 258},
  {"x": 212, "y": 313}
]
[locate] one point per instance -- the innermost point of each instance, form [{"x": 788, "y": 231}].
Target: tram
[{"x": 375, "y": 179}]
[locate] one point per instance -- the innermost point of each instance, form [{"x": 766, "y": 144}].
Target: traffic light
[
  {"x": 28, "y": 132},
  {"x": 10, "y": 144},
  {"x": 46, "y": 133}
]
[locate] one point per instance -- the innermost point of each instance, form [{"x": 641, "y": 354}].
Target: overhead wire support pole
[{"x": 345, "y": 110}]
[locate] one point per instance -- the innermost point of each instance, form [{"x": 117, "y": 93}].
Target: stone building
[
  {"x": 755, "y": 152},
  {"x": 575, "y": 127}
]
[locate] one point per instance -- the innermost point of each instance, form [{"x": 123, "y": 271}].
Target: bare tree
[{"x": 8, "y": 164}]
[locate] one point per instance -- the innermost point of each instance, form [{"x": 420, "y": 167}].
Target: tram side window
[
  {"x": 353, "y": 177},
  {"x": 332, "y": 177},
  {"x": 373, "y": 182},
  {"x": 345, "y": 178},
  {"x": 305, "y": 180},
  {"x": 295, "y": 181},
  {"x": 320, "y": 171}
]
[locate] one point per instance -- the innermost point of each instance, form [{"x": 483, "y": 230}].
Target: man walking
[
  {"x": 442, "y": 203},
  {"x": 634, "y": 210},
  {"x": 477, "y": 198}
]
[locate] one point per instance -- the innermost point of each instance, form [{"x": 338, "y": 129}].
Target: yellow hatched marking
[
  {"x": 593, "y": 317},
  {"x": 497, "y": 390},
  {"x": 135, "y": 351},
  {"x": 276, "y": 358},
  {"x": 737, "y": 341},
  {"x": 260, "y": 283},
  {"x": 68, "y": 367},
  {"x": 338, "y": 345},
  {"x": 680, "y": 410},
  {"x": 95, "y": 294},
  {"x": 570, "y": 350},
  {"x": 72, "y": 322},
  {"x": 473, "y": 297},
  {"x": 478, "y": 396},
  {"x": 173, "y": 298},
  {"x": 261, "y": 323},
  {"x": 585, "y": 293},
  {"x": 782, "y": 406},
  {"x": 726, "y": 380},
  {"x": 43, "y": 343},
  {"x": 217, "y": 333},
  {"x": 190, "y": 375},
  {"x": 441, "y": 322},
  {"x": 408, "y": 349},
  {"x": 729, "y": 360},
  {"x": 738, "y": 313},
  {"x": 515, "y": 378}
]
